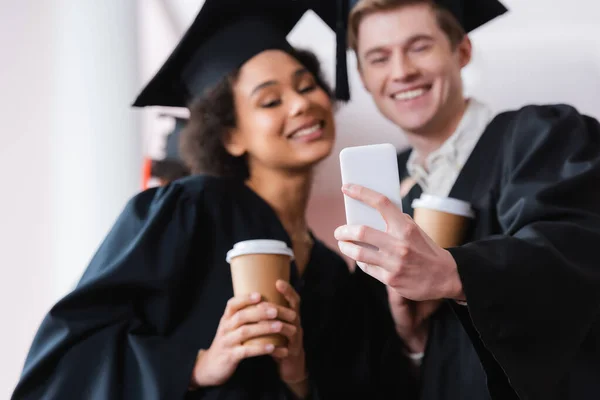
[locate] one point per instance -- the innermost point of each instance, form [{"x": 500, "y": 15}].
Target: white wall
[
  {"x": 96, "y": 147},
  {"x": 70, "y": 152},
  {"x": 71, "y": 148},
  {"x": 25, "y": 212}
]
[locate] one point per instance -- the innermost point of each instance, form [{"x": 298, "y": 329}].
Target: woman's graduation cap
[{"x": 224, "y": 35}]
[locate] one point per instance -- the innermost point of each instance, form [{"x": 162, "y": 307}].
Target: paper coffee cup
[
  {"x": 255, "y": 267},
  {"x": 444, "y": 219}
]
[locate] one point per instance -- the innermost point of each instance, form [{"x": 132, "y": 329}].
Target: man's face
[{"x": 410, "y": 68}]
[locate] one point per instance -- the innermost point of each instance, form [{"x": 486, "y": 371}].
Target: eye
[
  {"x": 420, "y": 47},
  {"x": 307, "y": 88},
  {"x": 378, "y": 60},
  {"x": 271, "y": 104}
]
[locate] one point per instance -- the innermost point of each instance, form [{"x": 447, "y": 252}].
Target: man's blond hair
[{"x": 445, "y": 19}]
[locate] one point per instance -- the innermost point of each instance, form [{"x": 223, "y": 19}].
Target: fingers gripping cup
[
  {"x": 444, "y": 219},
  {"x": 255, "y": 267}
]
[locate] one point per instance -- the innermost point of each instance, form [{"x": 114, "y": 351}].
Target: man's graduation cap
[
  {"x": 472, "y": 14},
  {"x": 227, "y": 33}
]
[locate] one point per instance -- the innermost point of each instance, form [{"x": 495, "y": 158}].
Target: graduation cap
[
  {"x": 472, "y": 14},
  {"x": 227, "y": 33}
]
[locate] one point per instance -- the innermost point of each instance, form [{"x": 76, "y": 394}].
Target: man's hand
[{"x": 404, "y": 257}]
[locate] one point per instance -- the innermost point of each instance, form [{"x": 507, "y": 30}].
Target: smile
[
  {"x": 310, "y": 132},
  {"x": 411, "y": 94}
]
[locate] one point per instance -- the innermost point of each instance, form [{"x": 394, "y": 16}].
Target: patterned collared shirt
[{"x": 443, "y": 166}]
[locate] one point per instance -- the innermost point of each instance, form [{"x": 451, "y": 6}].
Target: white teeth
[
  {"x": 409, "y": 94},
  {"x": 307, "y": 131}
]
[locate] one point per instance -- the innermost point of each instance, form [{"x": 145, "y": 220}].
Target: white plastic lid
[
  {"x": 259, "y": 246},
  {"x": 444, "y": 204}
]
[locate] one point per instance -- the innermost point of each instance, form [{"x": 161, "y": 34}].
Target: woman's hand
[
  {"x": 244, "y": 318},
  {"x": 291, "y": 361}
]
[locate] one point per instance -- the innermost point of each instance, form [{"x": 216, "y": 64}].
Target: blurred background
[{"x": 72, "y": 148}]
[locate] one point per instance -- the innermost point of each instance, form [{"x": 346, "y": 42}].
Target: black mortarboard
[
  {"x": 227, "y": 33},
  {"x": 224, "y": 35},
  {"x": 473, "y": 13}
]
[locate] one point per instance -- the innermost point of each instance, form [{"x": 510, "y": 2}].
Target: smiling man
[{"x": 522, "y": 297}]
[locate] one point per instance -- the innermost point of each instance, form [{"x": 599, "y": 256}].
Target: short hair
[{"x": 445, "y": 19}]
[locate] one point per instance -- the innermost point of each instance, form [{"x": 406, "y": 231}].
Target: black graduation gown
[
  {"x": 153, "y": 295},
  {"x": 534, "y": 291},
  {"x": 530, "y": 272}
]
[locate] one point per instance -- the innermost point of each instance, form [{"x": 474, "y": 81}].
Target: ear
[
  {"x": 234, "y": 144},
  {"x": 464, "y": 51}
]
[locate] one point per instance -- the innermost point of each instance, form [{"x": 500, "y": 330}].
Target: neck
[
  {"x": 431, "y": 138},
  {"x": 287, "y": 194}
]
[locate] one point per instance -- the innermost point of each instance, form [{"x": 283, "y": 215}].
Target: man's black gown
[
  {"x": 155, "y": 291},
  {"x": 531, "y": 270}
]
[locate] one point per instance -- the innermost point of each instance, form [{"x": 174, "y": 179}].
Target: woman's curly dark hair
[{"x": 213, "y": 115}]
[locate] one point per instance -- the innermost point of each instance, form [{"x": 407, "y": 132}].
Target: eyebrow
[
  {"x": 299, "y": 72},
  {"x": 409, "y": 41}
]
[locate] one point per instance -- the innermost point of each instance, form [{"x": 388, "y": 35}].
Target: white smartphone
[{"x": 374, "y": 167}]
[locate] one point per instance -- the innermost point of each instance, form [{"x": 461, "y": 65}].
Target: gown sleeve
[
  {"x": 116, "y": 336},
  {"x": 534, "y": 293}
]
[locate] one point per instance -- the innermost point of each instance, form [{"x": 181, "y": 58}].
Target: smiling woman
[{"x": 244, "y": 109}]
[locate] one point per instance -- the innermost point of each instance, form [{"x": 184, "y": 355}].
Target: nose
[
  {"x": 299, "y": 103},
  {"x": 403, "y": 69}
]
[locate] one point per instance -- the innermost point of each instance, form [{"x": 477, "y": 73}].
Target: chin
[
  {"x": 413, "y": 126},
  {"x": 317, "y": 157},
  {"x": 308, "y": 161},
  {"x": 414, "y": 122}
]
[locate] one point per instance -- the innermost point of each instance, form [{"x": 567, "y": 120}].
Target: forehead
[
  {"x": 395, "y": 26},
  {"x": 269, "y": 65}
]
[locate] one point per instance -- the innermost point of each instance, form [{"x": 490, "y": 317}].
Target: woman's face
[{"x": 284, "y": 119}]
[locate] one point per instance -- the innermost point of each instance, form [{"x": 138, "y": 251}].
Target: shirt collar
[{"x": 472, "y": 124}]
